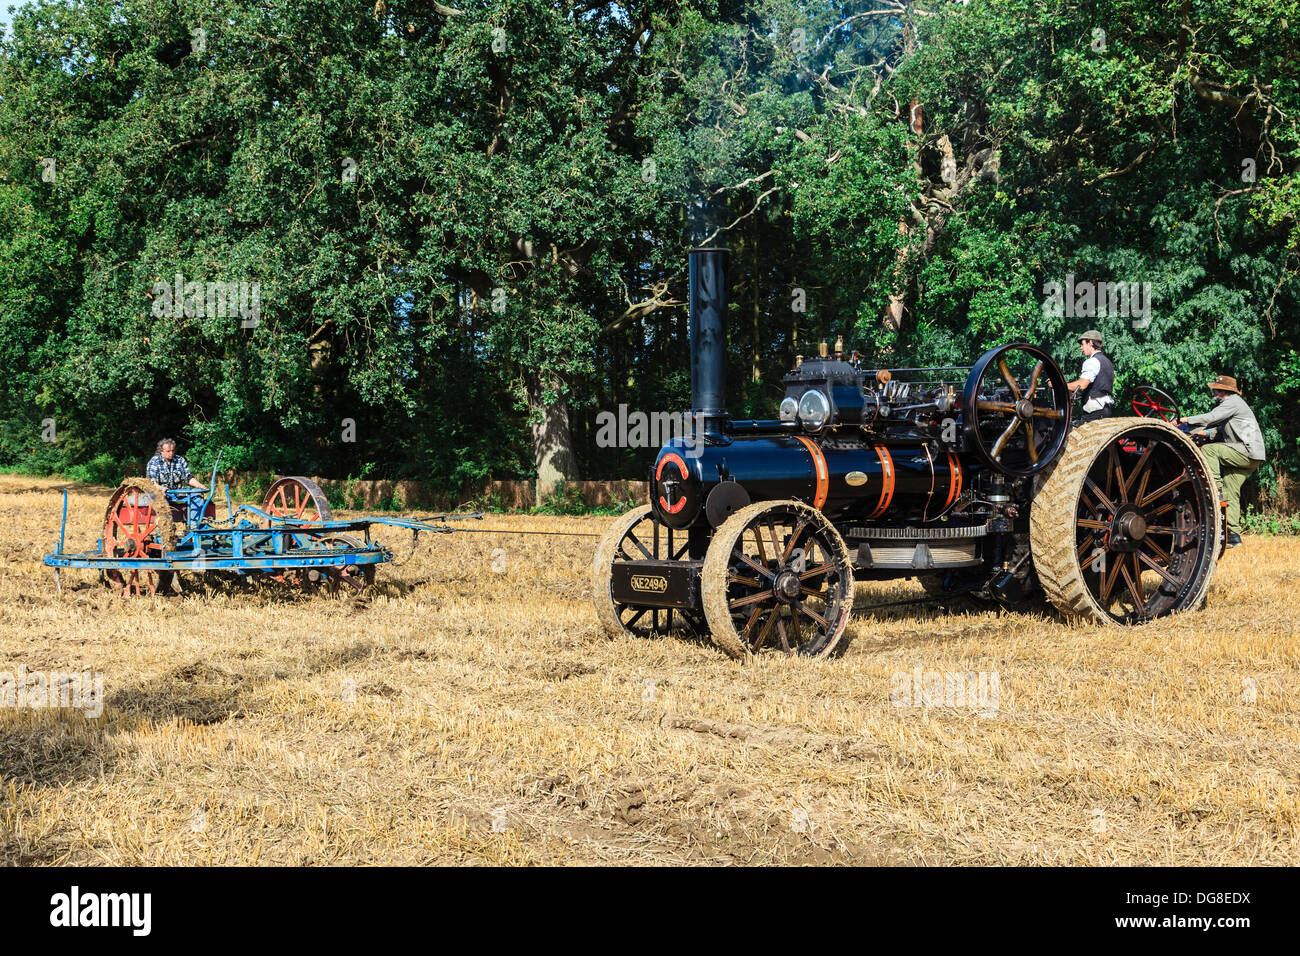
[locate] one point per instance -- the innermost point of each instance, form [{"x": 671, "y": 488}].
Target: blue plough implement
[{"x": 150, "y": 534}]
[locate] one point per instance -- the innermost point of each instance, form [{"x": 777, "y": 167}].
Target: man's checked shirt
[{"x": 173, "y": 474}]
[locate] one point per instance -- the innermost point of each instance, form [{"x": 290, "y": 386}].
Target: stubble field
[{"x": 461, "y": 715}]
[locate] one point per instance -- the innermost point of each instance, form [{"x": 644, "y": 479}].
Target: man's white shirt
[{"x": 1091, "y": 369}]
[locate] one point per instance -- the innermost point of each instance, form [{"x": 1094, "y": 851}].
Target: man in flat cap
[
  {"x": 1236, "y": 447},
  {"x": 1096, "y": 380}
]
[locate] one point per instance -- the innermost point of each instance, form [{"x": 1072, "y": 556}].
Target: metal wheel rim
[
  {"x": 1151, "y": 402},
  {"x": 1152, "y": 475},
  {"x": 777, "y": 547},
  {"x": 995, "y": 428}
]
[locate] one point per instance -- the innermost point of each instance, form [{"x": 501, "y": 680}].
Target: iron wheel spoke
[
  {"x": 758, "y": 540},
  {"x": 763, "y": 572},
  {"x": 631, "y": 536},
  {"x": 1113, "y": 454},
  {"x": 1163, "y": 490},
  {"x": 1141, "y": 469},
  {"x": 1169, "y": 578},
  {"x": 1033, "y": 380},
  {"x": 767, "y": 629},
  {"x": 785, "y": 641},
  {"x": 1009, "y": 378},
  {"x": 1134, "y": 589},
  {"x": 814, "y": 616},
  {"x": 820, "y": 571},
  {"x": 998, "y": 445},
  {"x": 771, "y": 527},
  {"x": 1101, "y": 495},
  {"x": 1160, "y": 552},
  {"x": 1108, "y": 580},
  {"x": 1083, "y": 548},
  {"x": 794, "y": 539},
  {"x": 794, "y": 623},
  {"x": 737, "y": 603}
]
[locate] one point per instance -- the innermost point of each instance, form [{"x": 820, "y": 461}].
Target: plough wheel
[
  {"x": 340, "y": 580},
  {"x": 1126, "y": 526},
  {"x": 636, "y": 536},
  {"x": 298, "y": 498},
  {"x": 302, "y": 500},
  {"x": 777, "y": 574},
  {"x": 138, "y": 524}
]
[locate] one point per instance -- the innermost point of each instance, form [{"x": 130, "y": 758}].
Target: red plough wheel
[
  {"x": 298, "y": 498},
  {"x": 138, "y": 524},
  {"x": 302, "y": 500}
]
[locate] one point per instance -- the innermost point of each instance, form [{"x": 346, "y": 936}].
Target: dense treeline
[{"x": 458, "y": 233}]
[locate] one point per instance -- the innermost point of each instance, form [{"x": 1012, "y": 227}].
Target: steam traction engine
[{"x": 969, "y": 479}]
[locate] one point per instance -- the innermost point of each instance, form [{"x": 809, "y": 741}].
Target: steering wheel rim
[
  {"x": 1151, "y": 402},
  {"x": 1031, "y": 424}
]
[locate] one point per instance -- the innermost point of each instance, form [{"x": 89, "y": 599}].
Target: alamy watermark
[
  {"x": 1084, "y": 299},
  {"x": 955, "y": 689},
  {"x": 214, "y": 300},
  {"x": 127, "y": 910},
  {"x": 40, "y": 690},
  {"x": 634, "y": 429}
]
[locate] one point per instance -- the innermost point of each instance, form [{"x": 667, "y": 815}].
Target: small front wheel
[
  {"x": 638, "y": 536},
  {"x": 778, "y": 575}
]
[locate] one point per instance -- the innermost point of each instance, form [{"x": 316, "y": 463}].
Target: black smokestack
[{"x": 708, "y": 318}]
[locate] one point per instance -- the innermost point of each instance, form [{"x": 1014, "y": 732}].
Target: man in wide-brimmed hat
[
  {"x": 1236, "y": 448},
  {"x": 1096, "y": 381}
]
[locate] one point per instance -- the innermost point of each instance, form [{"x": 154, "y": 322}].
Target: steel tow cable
[{"x": 549, "y": 534}]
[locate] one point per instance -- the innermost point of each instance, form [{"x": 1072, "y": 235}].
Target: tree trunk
[
  {"x": 552, "y": 440},
  {"x": 892, "y": 320}
]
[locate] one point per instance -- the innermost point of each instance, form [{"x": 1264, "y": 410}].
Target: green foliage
[
  {"x": 515, "y": 234},
  {"x": 567, "y": 499},
  {"x": 103, "y": 469},
  {"x": 1256, "y": 522},
  {"x": 250, "y": 487},
  {"x": 1120, "y": 158},
  {"x": 491, "y": 502}
]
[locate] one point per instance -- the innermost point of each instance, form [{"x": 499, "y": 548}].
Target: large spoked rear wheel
[
  {"x": 778, "y": 575},
  {"x": 1126, "y": 527},
  {"x": 637, "y": 536}
]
